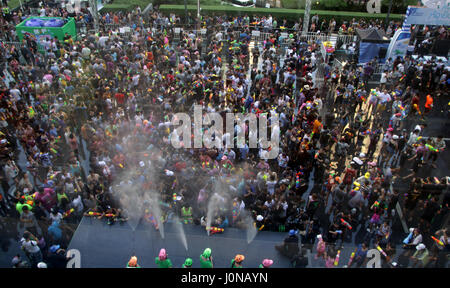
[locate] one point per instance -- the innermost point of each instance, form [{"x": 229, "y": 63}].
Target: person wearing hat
[
  {"x": 162, "y": 260},
  {"x": 289, "y": 247},
  {"x": 187, "y": 263},
  {"x": 421, "y": 257},
  {"x": 266, "y": 263},
  {"x": 30, "y": 247},
  {"x": 57, "y": 257},
  {"x": 259, "y": 224},
  {"x": 133, "y": 263},
  {"x": 206, "y": 260},
  {"x": 413, "y": 239},
  {"x": 236, "y": 262}
]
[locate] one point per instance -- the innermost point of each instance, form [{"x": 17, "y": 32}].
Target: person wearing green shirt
[
  {"x": 421, "y": 257},
  {"x": 187, "y": 263},
  {"x": 162, "y": 261},
  {"x": 61, "y": 195},
  {"x": 206, "y": 259},
  {"x": 237, "y": 261}
]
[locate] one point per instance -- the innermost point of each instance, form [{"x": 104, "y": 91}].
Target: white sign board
[
  {"x": 256, "y": 33},
  {"x": 428, "y": 16}
]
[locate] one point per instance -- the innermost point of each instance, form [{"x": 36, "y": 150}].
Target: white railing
[{"x": 346, "y": 39}]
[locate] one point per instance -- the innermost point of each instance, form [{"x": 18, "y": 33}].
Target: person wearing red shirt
[
  {"x": 120, "y": 98},
  {"x": 350, "y": 173},
  {"x": 415, "y": 101}
]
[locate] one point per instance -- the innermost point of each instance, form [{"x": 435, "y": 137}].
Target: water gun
[
  {"x": 214, "y": 230},
  {"x": 174, "y": 183},
  {"x": 54, "y": 150},
  {"x": 57, "y": 139},
  {"x": 297, "y": 179},
  {"x": 408, "y": 239},
  {"x": 67, "y": 213},
  {"x": 235, "y": 211},
  {"x": 346, "y": 224},
  {"x": 351, "y": 258},
  {"x": 94, "y": 213},
  {"x": 431, "y": 148},
  {"x": 152, "y": 219},
  {"x": 437, "y": 241},
  {"x": 174, "y": 198},
  {"x": 110, "y": 215},
  {"x": 361, "y": 96},
  {"x": 31, "y": 112},
  {"x": 416, "y": 107},
  {"x": 436, "y": 180},
  {"x": 367, "y": 132},
  {"x": 381, "y": 251},
  {"x": 376, "y": 204},
  {"x": 401, "y": 78},
  {"x": 336, "y": 261}
]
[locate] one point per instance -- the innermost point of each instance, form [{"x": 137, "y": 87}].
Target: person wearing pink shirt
[{"x": 47, "y": 197}]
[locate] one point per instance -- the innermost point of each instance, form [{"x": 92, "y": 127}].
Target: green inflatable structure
[{"x": 40, "y": 28}]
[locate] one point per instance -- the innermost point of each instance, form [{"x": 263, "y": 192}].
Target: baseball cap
[{"x": 54, "y": 248}]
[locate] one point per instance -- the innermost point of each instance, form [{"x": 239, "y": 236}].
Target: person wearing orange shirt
[
  {"x": 428, "y": 104},
  {"x": 317, "y": 126}
]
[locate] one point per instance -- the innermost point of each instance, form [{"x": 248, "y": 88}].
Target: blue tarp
[{"x": 368, "y": 50}]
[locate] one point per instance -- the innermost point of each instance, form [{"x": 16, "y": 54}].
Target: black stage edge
[{"x": 111, "y": 246}]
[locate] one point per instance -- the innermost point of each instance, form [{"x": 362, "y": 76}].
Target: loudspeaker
[{"x": 382, "y": 52}]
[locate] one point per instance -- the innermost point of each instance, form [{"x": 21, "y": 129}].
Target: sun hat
[
  {"x": 207, "y": 253},
  {"x": 267, "y": 262},
  {"x": 133, "y": 261},
  {"x": 162, "y": 254}
]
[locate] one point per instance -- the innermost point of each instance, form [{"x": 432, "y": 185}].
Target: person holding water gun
[
  {"x": 436, "y": 147},
  {"x": 440, "y": 248}
]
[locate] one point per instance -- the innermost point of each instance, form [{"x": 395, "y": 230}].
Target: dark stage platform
[{"x": 105, "y": 246}]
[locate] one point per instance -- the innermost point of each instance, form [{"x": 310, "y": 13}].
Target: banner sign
[{"x": 428, "y": 16}]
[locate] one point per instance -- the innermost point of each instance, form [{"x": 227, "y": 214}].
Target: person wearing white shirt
[{"x": 29, "y": 244}]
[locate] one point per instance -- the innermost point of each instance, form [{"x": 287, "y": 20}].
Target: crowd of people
[{"x": 83, "y": 119}]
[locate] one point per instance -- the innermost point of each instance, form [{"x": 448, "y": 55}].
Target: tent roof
[{"x": 372, "y": 34}]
